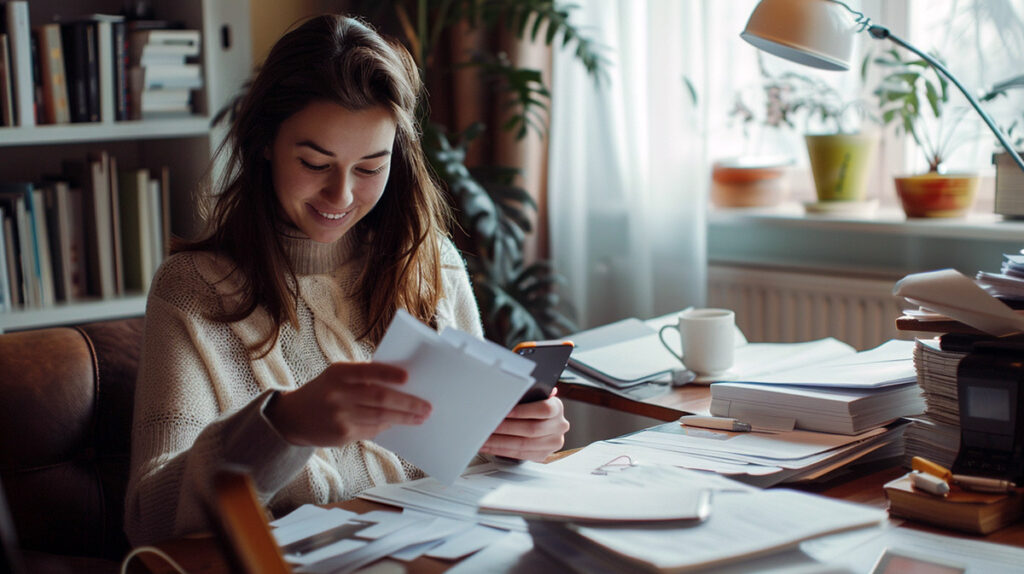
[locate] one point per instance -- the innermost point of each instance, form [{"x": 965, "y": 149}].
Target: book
[
  {"x": 19, "y": 37},
  {"x": 136, "y": 235},
  {"x": 82, "y": 69},
  {"x": 38, "y": 109},
  {"x": 60, "y": 227},
  {"x": 11, "y": 260},
  {"x": 28, "y": 227},
  {"x": 6, "y": 84},
  {"x": 42, "y": 239},
  {"x": 106, "y": 83},
  {"x": 21, "y": 227},
  {"x": 5, "y": 281},
  {"x": 966, "y": 511},
  {"x": 622, "y": 354},
  {"x": 54, "y": 80},
  {"x": 93, "y": 178},
  {"x": 115, "y": 223},
  {"x": 119, "y": 37}
]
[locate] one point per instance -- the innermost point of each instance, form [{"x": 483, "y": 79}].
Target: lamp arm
[{"x": 882, "y": 33}]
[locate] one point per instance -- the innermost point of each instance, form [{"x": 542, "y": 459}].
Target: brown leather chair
[{"x": 66, "y": 398}]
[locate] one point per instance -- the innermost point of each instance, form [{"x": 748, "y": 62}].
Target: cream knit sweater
[{"x": 199, "y": 398}]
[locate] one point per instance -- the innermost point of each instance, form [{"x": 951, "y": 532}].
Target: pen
[
  {"x": 983, "y": 484},
  {"x": 721, "y": 423},
  {"x": 929, "y": 483}
]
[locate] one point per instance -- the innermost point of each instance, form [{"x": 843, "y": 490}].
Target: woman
[{"x": 258, "y": 336}]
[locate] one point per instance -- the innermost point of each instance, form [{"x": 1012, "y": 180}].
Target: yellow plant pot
[
  {"x": 841, "y": 164},
  {"x": 937, "y": 195}
]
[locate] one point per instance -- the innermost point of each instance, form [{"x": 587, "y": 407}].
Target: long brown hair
[{"x": 341, "y": 60}]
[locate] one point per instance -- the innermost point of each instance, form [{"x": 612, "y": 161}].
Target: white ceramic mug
[{"x": 708, "y": 340}]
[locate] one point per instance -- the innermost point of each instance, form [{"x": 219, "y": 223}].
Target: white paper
[
  {"x": 471, "y": 385},
  {"x": 467, "y": 542},
  {"x": 311, "y": 525},
  {"x": 740, "y": 526},
  {"x": 299, "y": 514},
  {"x": 585, "y": 500},
  {"x": 891, "y": 363},
  {"x": 958, "y": 297}
]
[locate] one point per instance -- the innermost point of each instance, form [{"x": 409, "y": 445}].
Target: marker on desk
[{"x": 720, "y": 423}]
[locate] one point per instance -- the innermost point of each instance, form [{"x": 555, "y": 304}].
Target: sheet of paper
[
  {"x": 467, "y": 542},
  {"x": 958, "y": 297},
  {"x": 313, "y": 524},
  {"x": 299, "y": 514},
  {"x": 740, "y": 526},
  {"x": 471, "y": 386},
  {"x": 891, "y": 363},
  {"x": 592, "y": 502}
]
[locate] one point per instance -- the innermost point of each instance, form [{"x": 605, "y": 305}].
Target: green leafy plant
[
  {"x": 1015, "y": 128},
  {"x": 800, "y": 102},
  {"x": 915, "y": 97},
  {"x": 517, "y": 301}
]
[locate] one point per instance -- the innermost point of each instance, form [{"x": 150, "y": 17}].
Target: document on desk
[
  {"x": 741, "y": 526},
  {"x": 891, "y": 363},
  {"x": 470, "y": 383}
]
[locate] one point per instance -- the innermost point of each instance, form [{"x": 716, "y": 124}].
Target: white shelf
[
  {"x": 193, "y": 126},
  {"x": 73, "y": 313}
]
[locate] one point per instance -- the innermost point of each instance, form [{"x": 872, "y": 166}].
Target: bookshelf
[{"x": 185, "y": 145}]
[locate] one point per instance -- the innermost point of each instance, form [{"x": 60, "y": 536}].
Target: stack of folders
[
  {"x": 935, "y": 435},
  {"x": 848, "y": 395}
]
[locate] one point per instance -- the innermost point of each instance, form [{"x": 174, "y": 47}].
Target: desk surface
[{"x": 861, "y": 484}]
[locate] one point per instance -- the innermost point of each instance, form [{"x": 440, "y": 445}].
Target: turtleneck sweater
[{"x": 200, "y": 395}]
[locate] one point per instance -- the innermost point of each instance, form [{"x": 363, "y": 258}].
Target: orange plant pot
[
  {"x": 937, "y": 195},
  {"x": 736, "y": 184}
]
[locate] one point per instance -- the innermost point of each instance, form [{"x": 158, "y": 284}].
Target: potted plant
[
  {"x": 840, "y": 152},
  {"x": 915, "y": 97}
]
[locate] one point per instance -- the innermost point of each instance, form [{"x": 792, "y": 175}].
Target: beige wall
[{"x": 272, "y": 18}]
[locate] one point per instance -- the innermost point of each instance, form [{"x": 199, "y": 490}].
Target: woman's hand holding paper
[{"x": 530, "y": 431}]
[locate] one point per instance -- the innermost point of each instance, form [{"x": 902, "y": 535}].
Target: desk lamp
[{"x": 819, "y": 33}]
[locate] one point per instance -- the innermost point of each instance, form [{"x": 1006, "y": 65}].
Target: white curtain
[{"x": 628, "y": 166}]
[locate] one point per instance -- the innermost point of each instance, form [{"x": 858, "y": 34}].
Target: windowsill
[
  {"x": 884, "y": 220},
  {"x": 883, "y": 244}
]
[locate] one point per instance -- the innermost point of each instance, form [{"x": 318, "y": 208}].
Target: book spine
[
  {"x": 76, "y": 67},
  {"x": 6, "y": 95},
  {"x": 105, "y": 64},
  {"x": 5, "y": 281},
  {"x": 118, "y": 37},
  {"x": 20, "y": 39},
  {"x": 42, "y": 237},
  {"x": 38, "y": 106},
  {"x": 93, "y": 67},
  {"x": 55, "y": 90},
  {"x": 11, "y": 256}
]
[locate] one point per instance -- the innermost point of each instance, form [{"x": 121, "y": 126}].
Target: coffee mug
[{"x": 708, "y": 340}]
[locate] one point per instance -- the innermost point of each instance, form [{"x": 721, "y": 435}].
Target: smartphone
[{"x": 550, "y": 358}]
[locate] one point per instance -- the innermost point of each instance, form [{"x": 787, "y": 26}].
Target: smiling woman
[{"x": 259, "y": 337}]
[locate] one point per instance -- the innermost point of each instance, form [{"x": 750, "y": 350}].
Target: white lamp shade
[{"x": 816, "y": 33}]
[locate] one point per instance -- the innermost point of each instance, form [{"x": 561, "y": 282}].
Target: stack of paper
[
  {"x": 935, "y": 435},
  {"x": 848, "y": 395},
  {"x": 1009, "y": 283},
  {"x": 741, "y": 526},
  {"x": 756, "y": 458},
  {"x": 470, "y": 383}
]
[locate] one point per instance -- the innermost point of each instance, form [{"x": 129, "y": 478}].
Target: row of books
[
  {"x": 92, "y": 231},
  {"x": 97, "y": 68}
]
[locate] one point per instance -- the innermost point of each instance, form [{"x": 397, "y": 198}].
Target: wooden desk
[{"x": 861, "y": 484}]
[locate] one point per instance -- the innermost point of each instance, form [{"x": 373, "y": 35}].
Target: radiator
[{"x": 786, "y": 307}]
